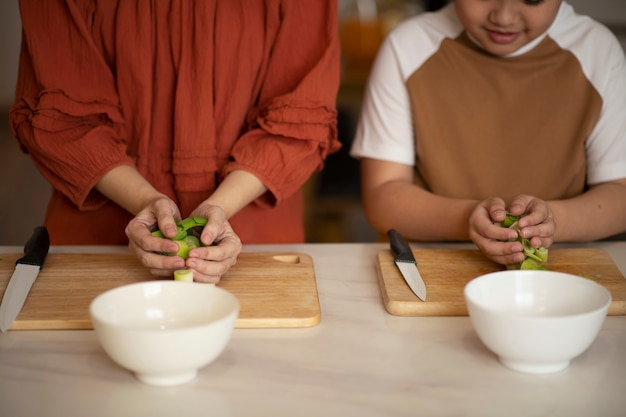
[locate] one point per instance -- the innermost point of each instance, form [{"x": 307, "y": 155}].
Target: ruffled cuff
[{"x": 288, "y": 142}]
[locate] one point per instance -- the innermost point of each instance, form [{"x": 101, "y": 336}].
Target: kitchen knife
[
  {"x": 406, "y": 263},
  {"x": 26, "y": 271}
]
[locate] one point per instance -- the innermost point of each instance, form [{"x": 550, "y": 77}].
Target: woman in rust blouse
[{"x": 143, "y": 112}]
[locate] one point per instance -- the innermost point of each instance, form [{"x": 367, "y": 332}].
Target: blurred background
[{"x": 334, "y": 212}]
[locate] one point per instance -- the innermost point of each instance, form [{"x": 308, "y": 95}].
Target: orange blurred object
[{"x": 360, "y": 40}]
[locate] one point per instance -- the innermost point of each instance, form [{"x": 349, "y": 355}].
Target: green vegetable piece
[
  {"x": 534, "y": 257},
  {"x": 529, "y": 263},
  {"x": 183, "y": 250},
  {"x": 186, "y": 244},
  {"x": 180, "y": 234},
  {"x": 509, "y": 220},
  {"x": 191, "y": 222},
  {"x": 542, "y": 254},
  {"x": 184, "y": 275},
  {"x": 185, "y": 237},
  {"x": 192, "y": 242},
  {"x": 184, "y": 227},
  {"x": 528, "y": 249}
]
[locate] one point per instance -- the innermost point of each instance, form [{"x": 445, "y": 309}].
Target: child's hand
[
  {"x": 537, "y": 224},
  {"x": 495, "y": 242}
]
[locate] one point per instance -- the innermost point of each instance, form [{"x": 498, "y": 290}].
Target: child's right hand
[{"x": 495, "y": 242}]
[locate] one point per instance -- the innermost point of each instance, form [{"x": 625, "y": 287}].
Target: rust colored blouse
[{"x": 186, "y": 92}]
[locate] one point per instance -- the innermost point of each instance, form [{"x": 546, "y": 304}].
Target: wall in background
[
  {"x": 609, "y": 12},
  {"x": 10, "y": 34}
]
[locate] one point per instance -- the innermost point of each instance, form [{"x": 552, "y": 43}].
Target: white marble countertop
[{"x": 359, "y": 361}]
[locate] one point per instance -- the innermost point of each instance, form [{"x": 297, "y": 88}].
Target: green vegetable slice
[
  {"x": 185, "y": 237},
  {"x": 185, "y": 245},
  {"x": 534, "y": 257},
  {"x": 510, "y": 220},
  {"x": 184, "y": 275}
]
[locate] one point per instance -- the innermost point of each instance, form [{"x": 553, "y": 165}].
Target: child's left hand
[{"x": 537, "y": 224}]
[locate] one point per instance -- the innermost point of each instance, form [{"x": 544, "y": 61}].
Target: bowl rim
[
  {"x": 473, "y": 282},
  {"x": 221, "y": 318}
]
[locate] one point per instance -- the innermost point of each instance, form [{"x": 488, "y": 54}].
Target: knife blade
[
  {"x": 406, "y": 263},
  {"x": 26, "y": 270}
]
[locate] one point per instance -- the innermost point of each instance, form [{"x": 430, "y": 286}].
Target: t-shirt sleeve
[
  {"x": 385, "y": 129},
  {"x": 606, "y": 146}
]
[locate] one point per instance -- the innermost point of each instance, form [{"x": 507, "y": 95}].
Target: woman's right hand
[{"x": 161, "y": 214}]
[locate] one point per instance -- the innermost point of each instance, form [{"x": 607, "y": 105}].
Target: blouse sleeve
[
  {"x": 293, "y": 128},
  {"x": 66, "y": 112}
]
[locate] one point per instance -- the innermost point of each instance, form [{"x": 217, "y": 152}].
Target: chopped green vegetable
[
  {"x": 185, "y": 244},
  {"x": 184, "y": 227},
  {"x": 185, "y": 236},
  {"x": 184, "y": 275},
  {"x": 510, "y": 220},
  {"x": 534, "y": 257},
  {"x": 530, "y": 263}
]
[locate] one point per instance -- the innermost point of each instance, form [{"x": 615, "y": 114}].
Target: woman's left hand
[{"x": 222, "y": 246}]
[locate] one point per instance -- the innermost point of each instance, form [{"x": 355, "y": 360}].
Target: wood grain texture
[
  {"x": 446, "y": 272},
  {"x": 273, "y": 289}
]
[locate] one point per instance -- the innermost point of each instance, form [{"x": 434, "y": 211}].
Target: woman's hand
[
  {"x": 208, "y": 263},
  {"x": 162, "y": 214},
  {"x": 498, "y": 243},
  {"x": 222, "y": 246},
  {"x": 129, "y": 189}
]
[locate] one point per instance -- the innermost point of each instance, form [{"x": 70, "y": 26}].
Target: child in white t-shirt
[{"x": 489, "y": 106}]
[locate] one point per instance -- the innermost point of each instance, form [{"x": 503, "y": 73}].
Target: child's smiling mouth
[{"x": 500, "y": 37}]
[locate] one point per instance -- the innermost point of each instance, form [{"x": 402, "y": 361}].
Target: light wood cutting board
[
  {"x": 446, "y": 272},
  {"x": 274, "y": 289}
]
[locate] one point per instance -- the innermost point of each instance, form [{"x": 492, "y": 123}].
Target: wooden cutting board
[
  {"x": 446, "y": 272},
  {"x": 274, "y": 289}
]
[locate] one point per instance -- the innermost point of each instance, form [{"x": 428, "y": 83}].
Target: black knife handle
[
  {"x": 400, "y": 248},
  {"x": 36, "y": 249}
]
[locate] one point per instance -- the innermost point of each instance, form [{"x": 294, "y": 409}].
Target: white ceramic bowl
[
  {"x": 536, "y": 321},
  {"x": 164, "y": 331}
]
